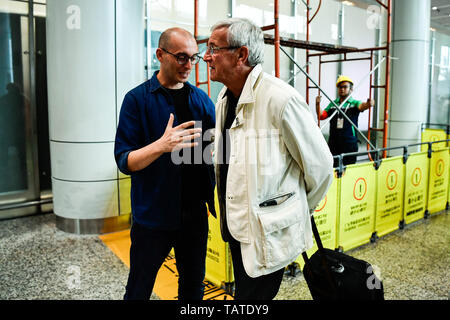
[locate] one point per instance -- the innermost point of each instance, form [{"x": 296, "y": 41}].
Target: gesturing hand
[{"x": 177, "y": 138}]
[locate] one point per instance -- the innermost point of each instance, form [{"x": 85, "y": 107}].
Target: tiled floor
[{"x": 37, "y": 261}]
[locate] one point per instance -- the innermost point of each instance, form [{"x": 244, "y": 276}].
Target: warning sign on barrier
[
  {"x": 325, "y": 218},
  {"x": 416, "y": 187},
  {"x": 219, "y": 268},
  {"x": 448, "y": 196},
  {"x": 431, "y": 135},
  {"x": 357, "y": 205},
  {"x": 438, "y": 183},
  {"x": 390, "y": 188}
]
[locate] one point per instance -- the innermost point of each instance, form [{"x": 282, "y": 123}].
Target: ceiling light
[
  {"x": 348, "y": 3},
  {"x": 434, "y": 8}
]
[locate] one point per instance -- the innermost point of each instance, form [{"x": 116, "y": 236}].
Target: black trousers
[
  {"x": 338, "y": 146},
  {"x": 149, "y": 248},
  {"x": 247, "y": 288}
]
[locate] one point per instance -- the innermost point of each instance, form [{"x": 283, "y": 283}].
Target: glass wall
[
  {"x": 24, "y": 153},
  {"x": 14, "y": 97},
  {"x": 439, "y": 109}
]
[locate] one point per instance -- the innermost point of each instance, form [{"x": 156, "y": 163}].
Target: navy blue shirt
[{"x": 156, "y": 189}]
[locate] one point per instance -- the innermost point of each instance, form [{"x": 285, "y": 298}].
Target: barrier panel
[
  {"x": 357, "y": 205},
  {"x": 390, "y": 194},
  {"x": 325, "y": 217},
  {"x": 416, "y": 187},
  {"x": 431, "y": 135},
  {"x": 219, "y": 267},
  {"x": 438, "y": 180}
]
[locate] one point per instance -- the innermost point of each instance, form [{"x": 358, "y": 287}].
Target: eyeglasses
[
  {"x": 344, "y": 87},
  {"x": 183, "y": 58},
  {"x": 212, "y": 49}
]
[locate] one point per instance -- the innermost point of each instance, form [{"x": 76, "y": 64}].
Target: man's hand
[
  {"x": 176, "y": 138},
  {"x": 318, "y": 98},
  {"x": 173, "y": 139},
  {"x": 366, "y": 105}
]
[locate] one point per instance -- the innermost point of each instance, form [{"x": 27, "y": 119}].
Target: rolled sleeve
[
  {"x": 122, "y": 162},
  {"x": 128, "y": 134}
]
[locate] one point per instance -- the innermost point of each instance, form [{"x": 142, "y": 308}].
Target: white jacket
[{"x": 277, "y": 152}]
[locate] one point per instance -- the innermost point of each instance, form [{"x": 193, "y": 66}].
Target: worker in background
[
  {"x": 343, "y": 138},
  {"x": 167, "y": 198},
  {"x": 273, "y": 165}
]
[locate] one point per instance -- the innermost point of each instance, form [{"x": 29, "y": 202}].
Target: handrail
[
  {"x": 442, "y": 125},
  {"x": 378, "y": 150}
]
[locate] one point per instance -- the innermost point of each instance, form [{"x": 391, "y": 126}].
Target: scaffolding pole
[
  {"x": 386, "y": 86},
  {"x": 338, "y": 108}
]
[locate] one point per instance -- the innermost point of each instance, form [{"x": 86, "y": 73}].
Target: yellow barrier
[
  {"x": 325, "y": 217},
  {"x": 431, "y": 135},
  {"x": 219, "y": 267},
  {"x": 438, "y": 180},
  {"x": 416, "y": 187},
  {"x": 361, "y": 202},
  {"x": 357, "y": 205},
  {"x": 124, "y": 194},
  {"x": 390, "y": 192}
]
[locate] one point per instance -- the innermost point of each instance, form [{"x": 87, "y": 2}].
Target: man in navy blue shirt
[{"x": 158, "y": 143}]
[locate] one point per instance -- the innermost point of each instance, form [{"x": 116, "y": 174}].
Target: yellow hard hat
[{"x": 343, "y": 79}]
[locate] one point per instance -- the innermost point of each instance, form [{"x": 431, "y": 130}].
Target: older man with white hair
[{"x": 272, "y": 163}]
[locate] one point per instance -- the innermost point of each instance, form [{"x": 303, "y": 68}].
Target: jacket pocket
[
  {"x": 282, "y": 232},
  {"x": 276, "y": 200}
]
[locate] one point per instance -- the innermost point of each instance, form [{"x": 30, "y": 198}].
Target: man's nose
[
  {"x": 188, "y": 64},
  {"x": 207, "y": 56}
]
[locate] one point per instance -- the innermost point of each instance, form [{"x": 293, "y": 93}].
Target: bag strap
[
  {"x": 316, "y": 235},
  {"x": 322, "y": 254}
]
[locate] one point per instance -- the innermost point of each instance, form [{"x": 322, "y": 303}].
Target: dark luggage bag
[{"x": 339, "y": 276}]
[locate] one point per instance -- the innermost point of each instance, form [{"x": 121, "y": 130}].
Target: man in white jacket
[{"x": 272, "y": 163}]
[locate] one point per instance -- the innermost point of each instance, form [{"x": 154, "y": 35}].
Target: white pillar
[
  {"x": 409, "y": 74},
  {"x": 95, "y": 55}
]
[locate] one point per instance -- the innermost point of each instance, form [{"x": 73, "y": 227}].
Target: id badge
[{"x": 340, "y": 123}]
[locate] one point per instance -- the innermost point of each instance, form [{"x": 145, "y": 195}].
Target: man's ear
[
  {"x": 159, "y": 54},
  {"x": 243, "y": 55}
]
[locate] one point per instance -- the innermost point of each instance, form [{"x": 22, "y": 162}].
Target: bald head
[
  {"x": 166, "y": 37},
  {"x": 173, "y": 44}
]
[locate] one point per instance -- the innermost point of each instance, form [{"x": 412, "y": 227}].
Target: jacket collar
[{"x": 248, "y": 93}]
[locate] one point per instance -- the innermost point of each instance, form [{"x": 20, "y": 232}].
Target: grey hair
[{"x": 243, "y": 32}]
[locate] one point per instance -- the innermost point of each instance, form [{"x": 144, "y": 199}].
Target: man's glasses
[
  {"x": 212, "y": 49},
  {"x": 344, "y": 87},
  {"x": 183, "y": 58}
]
